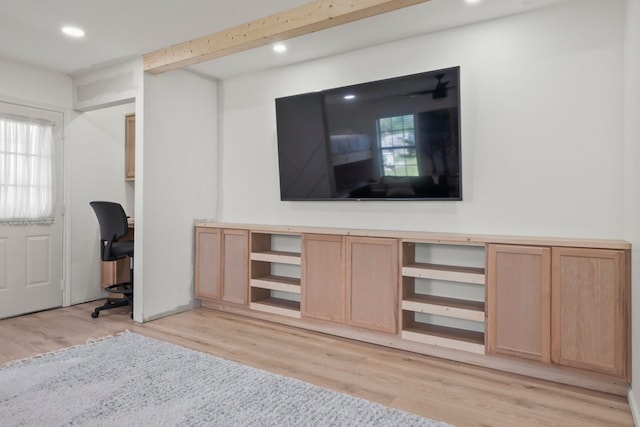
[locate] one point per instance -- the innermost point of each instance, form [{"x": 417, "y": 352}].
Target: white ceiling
[{"x": 118, "y": 30}]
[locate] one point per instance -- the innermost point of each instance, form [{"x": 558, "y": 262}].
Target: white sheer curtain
[{"x": 26, "y": 170}]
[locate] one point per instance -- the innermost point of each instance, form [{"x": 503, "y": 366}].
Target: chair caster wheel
[{"x": 95, "y": 314}]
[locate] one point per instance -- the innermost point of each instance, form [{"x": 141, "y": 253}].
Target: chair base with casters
[{"x": 126, "y": 301}]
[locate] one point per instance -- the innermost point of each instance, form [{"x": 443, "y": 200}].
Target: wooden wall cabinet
[
  {"x": 590, "y": 310},
  {"x": 372, "y": 283},
  {"x": 519, "y": 301},
  {"x": 130, "y": 147},
  {"x": 323, "y": 277},
  {"x": 222, "y": 258}
]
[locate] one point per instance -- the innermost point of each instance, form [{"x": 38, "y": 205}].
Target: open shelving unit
[
  {"x": 275, "y": 273},
  {"x": 436, "y": 308}
]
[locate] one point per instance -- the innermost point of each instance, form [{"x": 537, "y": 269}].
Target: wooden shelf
[
  {"x": 277, "y": 283},
  {"x": 459, "y": 339},
  {"x": 441, "y": 306},
  {"x": 279, "y": 306},
  {"x": 473, "y": 275},
  {"x": 277, "y": 256},
  {"x": 274, "y": 287},
  {"x": 433, "y": 261}
]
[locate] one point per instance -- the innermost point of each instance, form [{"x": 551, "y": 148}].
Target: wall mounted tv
[{"x": 393, "y": 139}]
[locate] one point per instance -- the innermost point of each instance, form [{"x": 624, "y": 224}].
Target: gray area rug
[{"x": 132, "y": 380}]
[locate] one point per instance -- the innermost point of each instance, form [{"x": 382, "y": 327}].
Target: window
[
  {"x": 26, "y": 170},
  {"x": 396, "y": 138}
]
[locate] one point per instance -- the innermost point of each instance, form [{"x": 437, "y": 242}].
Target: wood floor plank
[{"x": 454, "y": 392}]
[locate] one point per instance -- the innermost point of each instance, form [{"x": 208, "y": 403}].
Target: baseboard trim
[
  {"x": 633, "y": 405},
  {"x": 193, "y": 304}
]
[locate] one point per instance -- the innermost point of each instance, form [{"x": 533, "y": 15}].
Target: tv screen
[{"x": 393, "y": 139}]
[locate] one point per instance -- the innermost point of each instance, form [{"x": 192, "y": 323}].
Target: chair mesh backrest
[{"x": 113, "y": 223}]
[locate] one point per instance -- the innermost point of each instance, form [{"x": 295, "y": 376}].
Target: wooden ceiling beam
[{"x": 314, "y": 16}]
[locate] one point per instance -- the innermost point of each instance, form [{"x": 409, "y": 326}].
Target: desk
[{"x": 115, "y": 272}]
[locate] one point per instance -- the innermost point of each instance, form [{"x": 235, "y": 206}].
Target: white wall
[
  {"x": 632, "y": 199},
  {"x": 34, "y": 87},
  {"x": 95, "y": 164},
  {"x": 542, "y": 110},
  {"x": 179, "y": 181}
]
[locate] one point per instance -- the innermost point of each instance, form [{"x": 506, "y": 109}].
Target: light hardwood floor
[{"x": 453, "y": 392}]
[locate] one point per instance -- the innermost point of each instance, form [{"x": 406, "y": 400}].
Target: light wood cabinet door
[
  {"x": 372, "y": 283},
  {"x": 519, "y": 301},
  {"x": 590, "y": 309},
  {"x": 235, "y": 267},
  {"x": 208, "y": 255},
  {"x": 130, "y": 146},
  {"x": 323, "y": 277}
]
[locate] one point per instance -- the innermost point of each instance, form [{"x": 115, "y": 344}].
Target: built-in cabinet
[
  {"x": 222, "y": 270},
  {"x": 553, "y": 308},
  {"x": 563, "y": 305}
]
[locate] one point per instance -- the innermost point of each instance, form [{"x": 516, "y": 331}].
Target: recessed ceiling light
[
  {"x": 73, "y": 31},
  {"x": 280, "y": 48},
  {"x": 350, "y": 96},
  {"x": 472, "y": 1}
]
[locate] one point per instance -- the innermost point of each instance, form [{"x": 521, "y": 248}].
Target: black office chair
[{"x": 113, "y": 226}]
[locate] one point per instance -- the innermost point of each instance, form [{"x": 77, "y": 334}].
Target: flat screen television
[{"x": 392, "y": 139}]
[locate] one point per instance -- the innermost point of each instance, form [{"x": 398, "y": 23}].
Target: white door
[{"x": 31, "y": 255}]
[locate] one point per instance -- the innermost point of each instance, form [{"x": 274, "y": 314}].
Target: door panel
[
  {"x": 589, "y": 311},
  {"x": 38, "y": 250},
  {"x": 519, "y": 301},
  {"x": 31, "y": 255},
  {"x": 208, "y": 273},
  {"x": 372, "y": 283},
  {"x": 323, "y": 283},
  {"x": 235, "y": 276}
]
